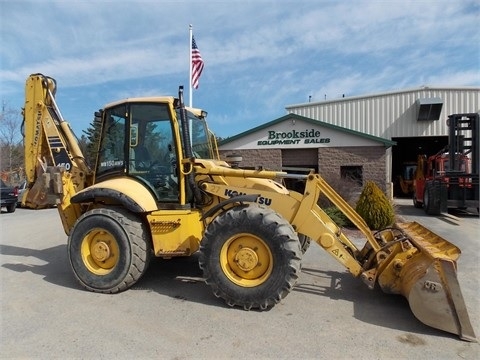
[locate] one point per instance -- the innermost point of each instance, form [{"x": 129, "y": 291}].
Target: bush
[
  {"x": 337, "y": 216},
  {"x": 348, "y": 189},
  {"x": 374, "y": 207}
]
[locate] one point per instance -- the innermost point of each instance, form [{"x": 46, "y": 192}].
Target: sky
[{"x": 260, "y": 55}]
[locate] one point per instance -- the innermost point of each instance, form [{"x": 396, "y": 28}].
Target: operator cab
[{"x": 142, "y": 139}]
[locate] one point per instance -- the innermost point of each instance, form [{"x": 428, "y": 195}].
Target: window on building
[{"x": 353, "y": 173}]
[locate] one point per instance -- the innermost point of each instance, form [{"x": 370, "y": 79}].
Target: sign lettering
[
  {"x": 260, "y": 200},
  {"x": 293, "y": 137}
]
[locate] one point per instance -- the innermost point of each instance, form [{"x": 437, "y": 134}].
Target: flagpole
[{"x": 190, "y": 67}]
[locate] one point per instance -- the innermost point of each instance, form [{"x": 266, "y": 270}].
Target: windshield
[
  {"x": 200, "y": 137},
  {"x": 409, "y": 172}
]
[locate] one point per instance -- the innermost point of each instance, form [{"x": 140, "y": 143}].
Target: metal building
[
  {"x": 405, "y": 113},
  {"x": 415, "y": 119},
  {"x": 374, "y": 137}
]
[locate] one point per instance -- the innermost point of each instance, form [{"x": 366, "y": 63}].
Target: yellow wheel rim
[
  {"x": 100, "y": 252},
  {"x": 246, "y": 260}
]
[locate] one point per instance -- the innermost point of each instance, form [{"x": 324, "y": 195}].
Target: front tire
[
  {"x": 416, "y": 203},
  {"x": 109, "y": 250},
  {"x": 431, "y": 199},
  {"x": 250, "y": 257}
]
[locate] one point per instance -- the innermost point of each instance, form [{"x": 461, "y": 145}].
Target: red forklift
[{"x": 450, "y": 178}]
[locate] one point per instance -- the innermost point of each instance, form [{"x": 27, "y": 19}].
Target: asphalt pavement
[{"x": 171, "y": 314}]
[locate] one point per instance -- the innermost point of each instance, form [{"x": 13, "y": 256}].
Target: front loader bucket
[
  {"x": 427, "y": 276},
  {"x": 436, "y": 300}
]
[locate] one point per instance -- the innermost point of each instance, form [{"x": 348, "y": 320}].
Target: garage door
[{"x": 300, "y": 158}]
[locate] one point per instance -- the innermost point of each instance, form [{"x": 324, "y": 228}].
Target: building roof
[
  {"x": 386, "y": 93},
  {"x": 385, "y": 142},
  {"x": 395, "y": 114}
]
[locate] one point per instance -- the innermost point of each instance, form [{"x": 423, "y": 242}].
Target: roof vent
[{"x": 429, "y": 109}]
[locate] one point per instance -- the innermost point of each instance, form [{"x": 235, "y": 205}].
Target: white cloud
[{"x": 260, "y": 55}]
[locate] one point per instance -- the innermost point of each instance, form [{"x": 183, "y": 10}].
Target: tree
[
  {"x": 11, "y": 144},
  {"x": 89, "y": 142}
]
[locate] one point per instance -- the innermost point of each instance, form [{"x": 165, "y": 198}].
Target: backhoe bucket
[{"x": 426, "y": 275}]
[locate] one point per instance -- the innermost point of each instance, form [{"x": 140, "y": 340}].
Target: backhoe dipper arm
[{"x": 49, "y": 142}]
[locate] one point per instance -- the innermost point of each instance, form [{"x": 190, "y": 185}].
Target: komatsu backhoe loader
[{"x": 159, "y": 189}]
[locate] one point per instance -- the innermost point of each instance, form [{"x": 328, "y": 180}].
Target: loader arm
[
  {"x": 407, "y": 259},
  {"x": 302, "y": 211},
  {"x": 50, "y": 145}
]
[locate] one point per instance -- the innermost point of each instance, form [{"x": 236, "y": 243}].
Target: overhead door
[{"x": 300, "y": 158}]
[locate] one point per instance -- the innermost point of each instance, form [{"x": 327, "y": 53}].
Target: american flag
[{"x": 197, "y": 64}]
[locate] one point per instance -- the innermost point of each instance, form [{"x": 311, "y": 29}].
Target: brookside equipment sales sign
[{"x": 293, "y": 137}]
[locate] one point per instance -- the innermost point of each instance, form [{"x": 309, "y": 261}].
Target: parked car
[
  {"x": 21, "y": 190},
  {"x": 9, "y": 196}
]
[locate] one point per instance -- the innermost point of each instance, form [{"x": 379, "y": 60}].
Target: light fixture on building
[
  {"x": 234, "y": 160},
  {"x": 429, "y": 108}
]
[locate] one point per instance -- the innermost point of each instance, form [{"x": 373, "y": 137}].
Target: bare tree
[{"x": 11, "y": 159}]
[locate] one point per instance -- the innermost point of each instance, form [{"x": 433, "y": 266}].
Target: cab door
[{"x": 151, "y": 151}]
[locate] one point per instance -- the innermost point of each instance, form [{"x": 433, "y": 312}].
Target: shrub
[
  {"x": 348, "y": 189},
  {"x": 337, "y": 216},
  {"x": 374, "y": 207}
]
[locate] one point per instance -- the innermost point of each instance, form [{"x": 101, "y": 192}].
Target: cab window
[{"x": 112, "y": 147}]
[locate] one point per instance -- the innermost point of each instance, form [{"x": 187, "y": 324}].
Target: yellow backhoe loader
[{"x": 159, "y": 189}]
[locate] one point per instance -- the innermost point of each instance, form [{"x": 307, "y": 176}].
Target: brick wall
[
  {"x": 371, "y": 159},
  {"x": 269, "y": 159}
]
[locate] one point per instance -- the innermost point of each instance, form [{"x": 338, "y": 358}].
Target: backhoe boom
[{"x": 49, "y": 141}]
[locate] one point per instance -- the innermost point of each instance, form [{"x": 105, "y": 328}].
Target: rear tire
[
  {"x": 11, "y": 208},
  {"x": 109, "y": 250},
  {"x": 250, "y": 257}
]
